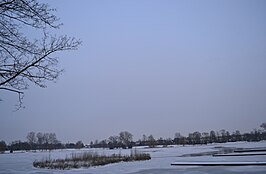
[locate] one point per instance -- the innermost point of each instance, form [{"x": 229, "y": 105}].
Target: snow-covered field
[{"x": 21, "y": 162}]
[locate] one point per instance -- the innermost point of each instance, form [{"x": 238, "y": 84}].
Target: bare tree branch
[
  {"x": 23, "y": 60},
  {"x": 12, "y": 90}
]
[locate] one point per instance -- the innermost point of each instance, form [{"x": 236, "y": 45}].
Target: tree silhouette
[
  {"x": 2, "y": 146},
  {"x": 126, "y": 138},
  {"x": 263, "y": 125},
  {"x": 22, "y": 59}
]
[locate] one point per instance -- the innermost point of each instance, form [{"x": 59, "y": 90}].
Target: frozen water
[{"x": 21, "y": 162}]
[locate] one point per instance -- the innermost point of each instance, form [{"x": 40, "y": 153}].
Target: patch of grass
[{"x": 89, "y": 159}]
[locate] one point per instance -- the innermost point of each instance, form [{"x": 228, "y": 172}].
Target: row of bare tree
[
  {"x": 48, "y": 141},
  {"x": 39, "y": 141},
  {"x": 125, "y": 139}
]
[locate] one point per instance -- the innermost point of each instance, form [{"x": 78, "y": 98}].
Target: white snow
[
  {"x": 242, "y": 154},
  {"x": 160, "y": 162},
  {"x": 237, "y": 163}
]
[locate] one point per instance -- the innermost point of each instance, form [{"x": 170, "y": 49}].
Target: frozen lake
[{"x": 159, "y": 164}]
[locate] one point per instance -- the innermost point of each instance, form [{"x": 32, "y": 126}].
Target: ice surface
[{"x": 160, "y": 163}]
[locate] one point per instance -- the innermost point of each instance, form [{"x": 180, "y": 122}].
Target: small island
[{"x": 88, "y": 159}]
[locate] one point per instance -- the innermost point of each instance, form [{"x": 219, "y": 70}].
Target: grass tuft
[{"x": 89, "y": 159}]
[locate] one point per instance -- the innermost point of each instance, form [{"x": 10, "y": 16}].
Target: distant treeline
[
  {"x": 39, "y": 141},
  {"x": 125, "y": 139},
  {"x": 48, "y": 141}
]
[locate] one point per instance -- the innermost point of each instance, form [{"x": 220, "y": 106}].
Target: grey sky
[{"x": 150, "y": 67}]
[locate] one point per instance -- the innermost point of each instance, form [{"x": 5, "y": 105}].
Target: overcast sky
[{"x": 150, "y": 67}]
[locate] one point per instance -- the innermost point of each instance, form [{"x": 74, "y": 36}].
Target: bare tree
[
  {"x": 126, "y": 138},
  {"x": 46, "y": 138},
  {"x": 223, "y": 137},
  {"x": 151, "y": 141},
  {"x": 31, "y": 138},
  {"x": 213, "y": 137},
  {"x": 52, "y": 138},
  {"x": 113, "y": 139},
  {"x": 194, "y": 138},
  {"x": 177, "y": 137},
  {"x": 144, "y": 138},
  {"x": 263, "y": 125},
  {"x": 24, "y": 60},
  {"x": 205, "y": 137},
  {"x": 40, "y": 138},
  {"x": 2, "y": 146}
]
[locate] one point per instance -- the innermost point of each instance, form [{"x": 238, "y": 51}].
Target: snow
[
  {"x": 161, "y": 161},
  {"x": 242, "y": 154},
  {"x": 219, "y": 163}
]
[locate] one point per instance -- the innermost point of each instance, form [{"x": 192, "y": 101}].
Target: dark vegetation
[
  {"x": 221, "y": 136},
  {"x": 3, "y": 146},
  {"x": 48, "y": 141},
  {"x": 88, "y": 159}
]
